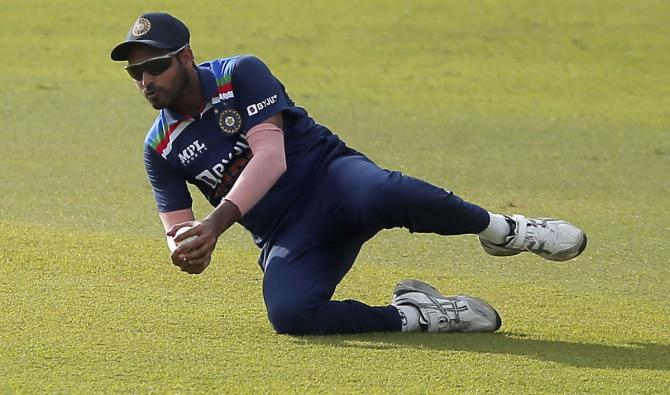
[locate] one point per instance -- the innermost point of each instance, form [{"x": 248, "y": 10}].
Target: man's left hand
[{"x": 194, "y": 256}]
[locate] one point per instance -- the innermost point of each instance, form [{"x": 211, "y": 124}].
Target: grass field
[{"x": 552, "y": 108}]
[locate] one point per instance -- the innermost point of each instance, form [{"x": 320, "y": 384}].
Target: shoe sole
[
  {"x": 494, "y": 250},
  {"x": 410, "y": 285}
]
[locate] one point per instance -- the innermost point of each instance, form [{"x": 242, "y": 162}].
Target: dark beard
[
  {"x": 184, "y": 80},
  {"x": 181, "y": 82}
]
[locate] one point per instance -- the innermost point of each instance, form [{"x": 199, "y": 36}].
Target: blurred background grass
[{"x": 545, "y": 108}]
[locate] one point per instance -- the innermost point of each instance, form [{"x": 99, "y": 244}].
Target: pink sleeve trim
[{"x": 268, "y": 163}]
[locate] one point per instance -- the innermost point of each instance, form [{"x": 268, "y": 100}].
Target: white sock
[
  {"x": 410, "y": 318},
  {"x": 497, "y": 230}
]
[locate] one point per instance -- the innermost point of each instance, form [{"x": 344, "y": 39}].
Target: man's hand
[
  {"x": 194, "y": 256},
  {"x": 187, "y": 266}
]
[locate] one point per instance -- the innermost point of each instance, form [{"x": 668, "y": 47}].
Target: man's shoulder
[
  {"x": 230, "y": 61},
  {"x": 224, "y": 67}
]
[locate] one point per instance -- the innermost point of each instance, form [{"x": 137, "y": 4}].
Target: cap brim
[{"x": 120, "y": 52}]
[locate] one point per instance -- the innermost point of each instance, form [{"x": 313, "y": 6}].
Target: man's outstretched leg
[{"x": 380, "y": 199}]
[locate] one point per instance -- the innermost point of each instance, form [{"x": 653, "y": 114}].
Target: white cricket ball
[{"x": 187, "y": 240}]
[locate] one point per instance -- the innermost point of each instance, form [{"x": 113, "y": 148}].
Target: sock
[
  {"x": 498, "y": 229},
  {"x": 410, "y": 318}
]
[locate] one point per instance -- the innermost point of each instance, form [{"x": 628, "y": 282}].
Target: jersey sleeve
[
  {"x": 259, "y": 94},
  {"x": 169, "y": 186}
]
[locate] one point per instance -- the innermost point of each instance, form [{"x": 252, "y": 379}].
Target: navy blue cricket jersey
[{"x": 211, "y": 150}]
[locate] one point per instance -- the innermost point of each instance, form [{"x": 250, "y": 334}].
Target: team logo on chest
[{"x": 230, "y": 121}]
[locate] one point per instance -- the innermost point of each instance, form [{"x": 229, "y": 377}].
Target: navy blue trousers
[{"x": 317, "y": 247}]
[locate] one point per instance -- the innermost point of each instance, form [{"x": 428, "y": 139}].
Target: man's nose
[{"x": 147, "y": 79}]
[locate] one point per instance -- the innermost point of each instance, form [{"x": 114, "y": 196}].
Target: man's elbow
[{"x": 281, "y": 165}]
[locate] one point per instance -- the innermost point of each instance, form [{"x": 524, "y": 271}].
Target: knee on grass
[{"x": 294, "y": 319}]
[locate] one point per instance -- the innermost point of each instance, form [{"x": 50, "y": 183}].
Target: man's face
[{"x": 160, "y": 90}]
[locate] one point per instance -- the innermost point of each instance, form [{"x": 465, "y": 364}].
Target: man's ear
[{"x": 186, "y": 56}]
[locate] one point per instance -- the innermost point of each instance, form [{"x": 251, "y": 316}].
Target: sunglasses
[{"x": 154, "y": 66}]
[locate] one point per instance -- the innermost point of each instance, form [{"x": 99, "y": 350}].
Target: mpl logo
[
  {"x": 267, "y": 102},
  {"x": 191, "y": 152}
]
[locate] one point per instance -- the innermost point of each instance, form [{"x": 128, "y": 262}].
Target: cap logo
[{"x": 141, "y": 27}]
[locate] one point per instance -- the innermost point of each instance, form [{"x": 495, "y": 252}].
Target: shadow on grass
[{"x": 649, "y": 356}]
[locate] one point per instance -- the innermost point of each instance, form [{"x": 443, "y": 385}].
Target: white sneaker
[
  {"x": 439, "y": 313},
  {"x": 552, "y": 239}
]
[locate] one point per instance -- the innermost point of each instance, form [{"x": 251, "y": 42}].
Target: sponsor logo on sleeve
[{"x": 267, "y": 102}]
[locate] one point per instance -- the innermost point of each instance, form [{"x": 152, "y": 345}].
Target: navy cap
[{"x": 156, "y": 29}]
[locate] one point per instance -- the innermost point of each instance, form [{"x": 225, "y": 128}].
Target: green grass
[{"x": 546, "y": 108}]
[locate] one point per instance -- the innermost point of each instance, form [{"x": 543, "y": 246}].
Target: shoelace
[
  {"x": 538, "y": 235},
  {"x": 456, "y": 320}
]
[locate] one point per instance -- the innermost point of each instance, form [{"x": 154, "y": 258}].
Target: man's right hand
[
  {"x": 189, "y": 267},
  {"x": 194, "y": 256}
]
